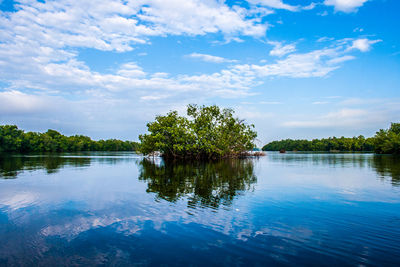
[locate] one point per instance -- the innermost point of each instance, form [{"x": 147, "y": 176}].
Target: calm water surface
[{"x": 120, "y": 209}]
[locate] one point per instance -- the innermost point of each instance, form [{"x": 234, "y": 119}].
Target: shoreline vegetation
[
  {"x": 384, "y": 142},
  {"x": 207, "y": 133},
  {"x": 13, "y": 139}
]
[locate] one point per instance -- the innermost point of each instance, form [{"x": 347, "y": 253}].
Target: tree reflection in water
[
  {"x": 388, "y": 165},
  {"x": 205, "y": 184},
  {"x": 11, "y": 166}
]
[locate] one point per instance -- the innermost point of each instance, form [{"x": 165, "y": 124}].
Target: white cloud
[
  {"x": 353, "y": 114},
  {"x": 342, "y": 118},
  {"x": 259, "y": 11},
  {"x": 363, "y": 44},
  {"x": 359, "y": 102},
  {"x": 40, "y": 63},
  {"x": 37, "y": 48},
  {"x": 278, "y": 4},
  {"x": 16, "y": 102},
  {"x": 320, "y": 102},
  {"x": 270, "y": 103},
  {"x": 210, "y": 58},
  {"x": 345, "y": 5},
  {"x": 39, "y": 42},
  {"x": 114, "y": 25},
  {"x": 317, "y": 63},
  {"x": 70, "y": 76},
  {"x": 342, "y": 59},
  {"x": 195, "y": 17},
  {"x": 323, "y": 14},
  {"x": 311, "y": 6},
  {"x": 311, "y": 64},
  {"x": 325, "y": 39},
  {"x": 131, "y": 69},
  {"x": 280, "y": 49},
  {"x": 153, "y": 97}
]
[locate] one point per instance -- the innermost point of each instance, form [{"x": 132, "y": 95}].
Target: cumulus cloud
[
  {"x": 317, "y": 63},
  {"x": 16, "y": 102},
  {"x": 131, "y": 69},
  {"x": 280, "y": 49},
  {"x": 345, "y": 5},
  {"x": 363, "y": 44},
  {"x": 278, "y": 4},
  {"x": 43, "y": 73},
  {"x": 210, "y": 58},
  {"x": 311, "y": 6},
  {"x": 115, "y": 25},
  {"x": 195, "y": 17},
  {"x": 24, "y": 71},
  {"x": 38, "y": 41}
]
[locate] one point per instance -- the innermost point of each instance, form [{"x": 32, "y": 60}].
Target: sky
[{"x": 294, "y": 69}]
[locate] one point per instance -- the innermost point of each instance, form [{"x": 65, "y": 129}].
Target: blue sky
[{"x": 296, "y": 69}]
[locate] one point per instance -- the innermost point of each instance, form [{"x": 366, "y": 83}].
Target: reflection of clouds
[
  {"x": 323, "y": 176},
  {"x": 15, "y": 166},
  {"x": 124, "y": 192},
  {"x": 122, "y": 219},
  {"x": 347, "y": 192},
  {"x": 288, "y": 232},
  {"x": 18, "y": 201},
  {"x": 71, "y": 229},
  {"x": 110, "y": 200}
]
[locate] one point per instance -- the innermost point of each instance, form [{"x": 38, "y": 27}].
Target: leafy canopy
[
  {"x": 14, "y": 140},
  {"x": 384, "y": 142},
  {"x": 388, "y": 141},
  {"x": 207, "y": 132}
]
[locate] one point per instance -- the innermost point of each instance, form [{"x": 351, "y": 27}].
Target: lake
[{"x": 120, "y": 209}]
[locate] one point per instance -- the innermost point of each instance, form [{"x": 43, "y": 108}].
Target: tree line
[
  {"x": 210, "y": 133},
  {"x": 384, "y": 142},
  {"x": 13, "y": 139}
]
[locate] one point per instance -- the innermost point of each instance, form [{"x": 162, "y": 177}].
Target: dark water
[{"x": 118, "y": 209}]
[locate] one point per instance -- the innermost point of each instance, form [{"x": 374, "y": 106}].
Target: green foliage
[
  {"x": 208, "y": 132},
  {"x": 207, "y": 183},
  {"x": 12, "y": 165},
  {"x": 14, "y": 140},
  {"x": 388, "y": 141},
  {"x": 359, "y": 143},
  {"x": 384, "y": 142},
  {"x": 387, "y": 165}
]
